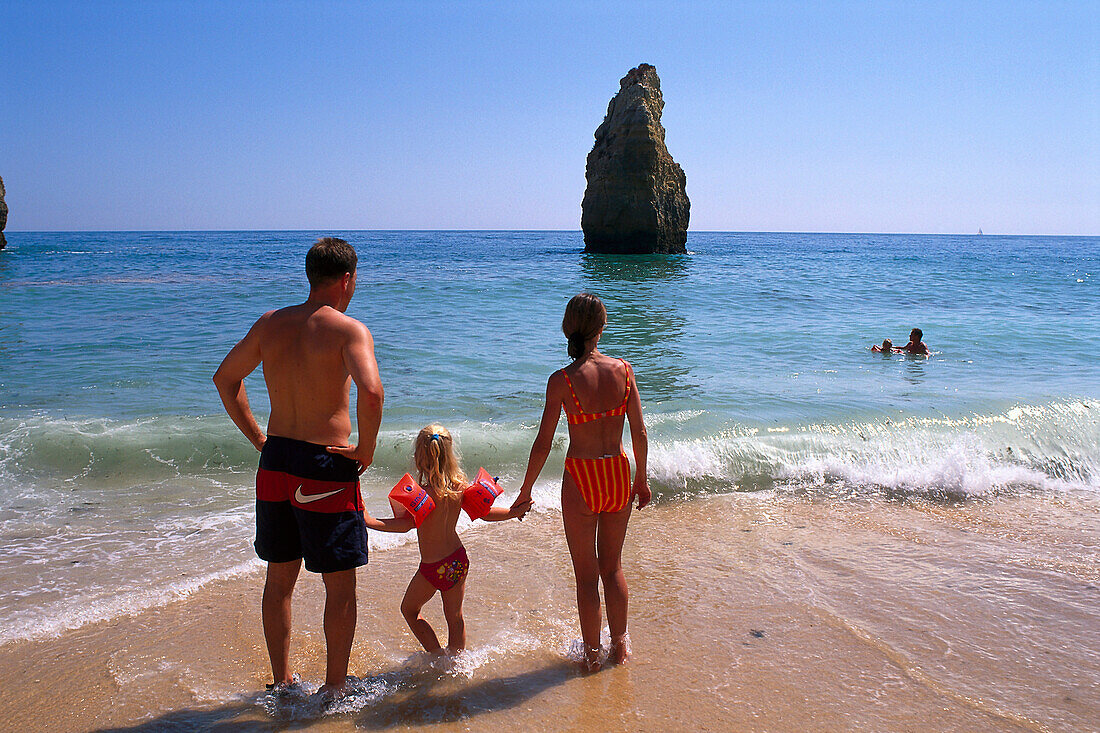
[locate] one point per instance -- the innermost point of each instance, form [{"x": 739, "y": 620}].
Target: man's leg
[
  {"x": 275, "y": 609},
  {"x": 339, "y": 626}
]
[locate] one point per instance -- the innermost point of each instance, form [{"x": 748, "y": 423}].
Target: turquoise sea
[{"x": 123, "y": 485}]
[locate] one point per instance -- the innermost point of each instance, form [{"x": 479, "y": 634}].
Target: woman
[{"x": 598, "y": 394}]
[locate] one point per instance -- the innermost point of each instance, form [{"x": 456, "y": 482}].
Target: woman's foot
[
  {"x": 591, "y": 662},
  {"x": 619, "y": 652}
]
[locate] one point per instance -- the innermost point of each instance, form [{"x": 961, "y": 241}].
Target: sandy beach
[{"x": 748, "y": 613}]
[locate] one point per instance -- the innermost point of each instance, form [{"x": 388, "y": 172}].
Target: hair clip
[{"x": 437, "y": 436}]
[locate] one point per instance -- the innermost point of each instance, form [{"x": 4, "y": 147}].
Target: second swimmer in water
[{"x": 444, "y": 563}]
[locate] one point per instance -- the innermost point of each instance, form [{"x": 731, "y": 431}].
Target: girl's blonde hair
[{"x": 437, "y": 461}]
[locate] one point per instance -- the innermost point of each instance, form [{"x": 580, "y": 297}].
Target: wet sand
[{"x": 748, "y": 612}]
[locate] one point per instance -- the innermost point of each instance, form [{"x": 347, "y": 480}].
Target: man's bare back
[
  {"x": 310, "y": 354},
  {"x": 305, "y": 351}
]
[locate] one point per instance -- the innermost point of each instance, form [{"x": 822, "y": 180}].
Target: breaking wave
[{"x": 1047, "y": 447}]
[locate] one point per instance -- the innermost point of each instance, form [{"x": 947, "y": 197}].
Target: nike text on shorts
[{"x": 308, "y": 506}]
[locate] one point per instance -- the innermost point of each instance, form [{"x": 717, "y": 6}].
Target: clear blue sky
[{"x": 815, "y": 116}]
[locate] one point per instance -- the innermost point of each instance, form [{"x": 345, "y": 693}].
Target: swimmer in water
[
  {"x": 915, "y": 345},
  {"x": 886, "y": 348}
]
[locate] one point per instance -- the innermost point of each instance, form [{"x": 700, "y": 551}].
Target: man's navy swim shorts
[{"x": 308, "y": 505}]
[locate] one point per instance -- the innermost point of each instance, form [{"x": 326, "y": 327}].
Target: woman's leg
[
  {"x": 419, "y": 592},
  {"x": 580, "y": 535},
  {"x": 611, "y": 533},
  {"x": 452, "y": 611}
]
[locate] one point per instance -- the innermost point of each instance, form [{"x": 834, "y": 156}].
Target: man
[
  {"x": 915, "y": 345},
  {"x": 307, "y": 487}
]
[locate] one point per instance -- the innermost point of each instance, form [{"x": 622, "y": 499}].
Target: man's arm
[
  {"x": 241, "y": 361},
  {"x": 359, "y": 360}
]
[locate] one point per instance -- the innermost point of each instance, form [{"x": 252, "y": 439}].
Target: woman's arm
[
  {"x": 394, "y": 524},
  {"x": 544, "y": 440},
  {"x": 639, "y": 440}
]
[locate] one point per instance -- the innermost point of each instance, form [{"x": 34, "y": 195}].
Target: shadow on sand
[
  {"x": 421, "y": 704},
  {"x": 408, "y": 700}
]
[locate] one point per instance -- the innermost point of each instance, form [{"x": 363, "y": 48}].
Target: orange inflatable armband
[
  {"x": 409, "y": 496},
  {"x": 479, "y": 498}
]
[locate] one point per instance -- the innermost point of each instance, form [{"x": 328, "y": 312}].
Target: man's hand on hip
[{"x": 360, "y": 456}]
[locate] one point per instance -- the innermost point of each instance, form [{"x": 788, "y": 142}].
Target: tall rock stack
[
  {"x": 3, "y": 215},
  {"x": 635, "y": 202}
]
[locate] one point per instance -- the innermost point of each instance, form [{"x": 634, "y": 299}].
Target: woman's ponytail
[{"x": 576, "y": 344}]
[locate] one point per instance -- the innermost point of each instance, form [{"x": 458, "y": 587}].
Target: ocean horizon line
[{"x": 538, "y": 231}]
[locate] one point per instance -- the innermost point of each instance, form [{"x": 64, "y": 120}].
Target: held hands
[
  {"x": 355, "y": 453},
  {"x": 523, "y": 503},
  {"x": 519, "y": 509},
  {"x": 641, "y": 491}
]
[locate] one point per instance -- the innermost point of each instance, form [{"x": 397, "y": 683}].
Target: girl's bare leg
[
  {"x": 419, "y": 592},
  {"x": 580, "y": 535},
  {"x": 610, "y": 536},
  {"x": 452, "y": 611}
]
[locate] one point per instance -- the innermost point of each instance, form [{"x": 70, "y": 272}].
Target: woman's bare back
[{"x": 600, "y": 384}]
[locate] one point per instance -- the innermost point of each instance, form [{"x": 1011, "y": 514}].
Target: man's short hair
[
  {"x": 918, "y": 333},
  {"x": 328, "y": 259}
]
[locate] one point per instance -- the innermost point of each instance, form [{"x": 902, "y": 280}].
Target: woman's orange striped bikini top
[{"x": 582, "y": 417}]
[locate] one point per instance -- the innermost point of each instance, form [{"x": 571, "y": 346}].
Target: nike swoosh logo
[{"x": 308, "y": 498}]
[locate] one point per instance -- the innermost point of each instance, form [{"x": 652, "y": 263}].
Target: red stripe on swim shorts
[{"x": 310, "y": 494}]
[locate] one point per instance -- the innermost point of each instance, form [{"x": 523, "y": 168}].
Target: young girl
[
  {"x": 598, "y": 394},
  {"x": 444, "y": 564}
]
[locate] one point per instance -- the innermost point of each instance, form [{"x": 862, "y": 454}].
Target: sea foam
[{"x": 106, "y": 518}]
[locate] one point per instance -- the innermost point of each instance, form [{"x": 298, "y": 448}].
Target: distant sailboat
[{"x": 979, "y": 231}]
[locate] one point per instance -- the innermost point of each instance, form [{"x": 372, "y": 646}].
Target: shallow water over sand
[{"x": 747, "y": 613}]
